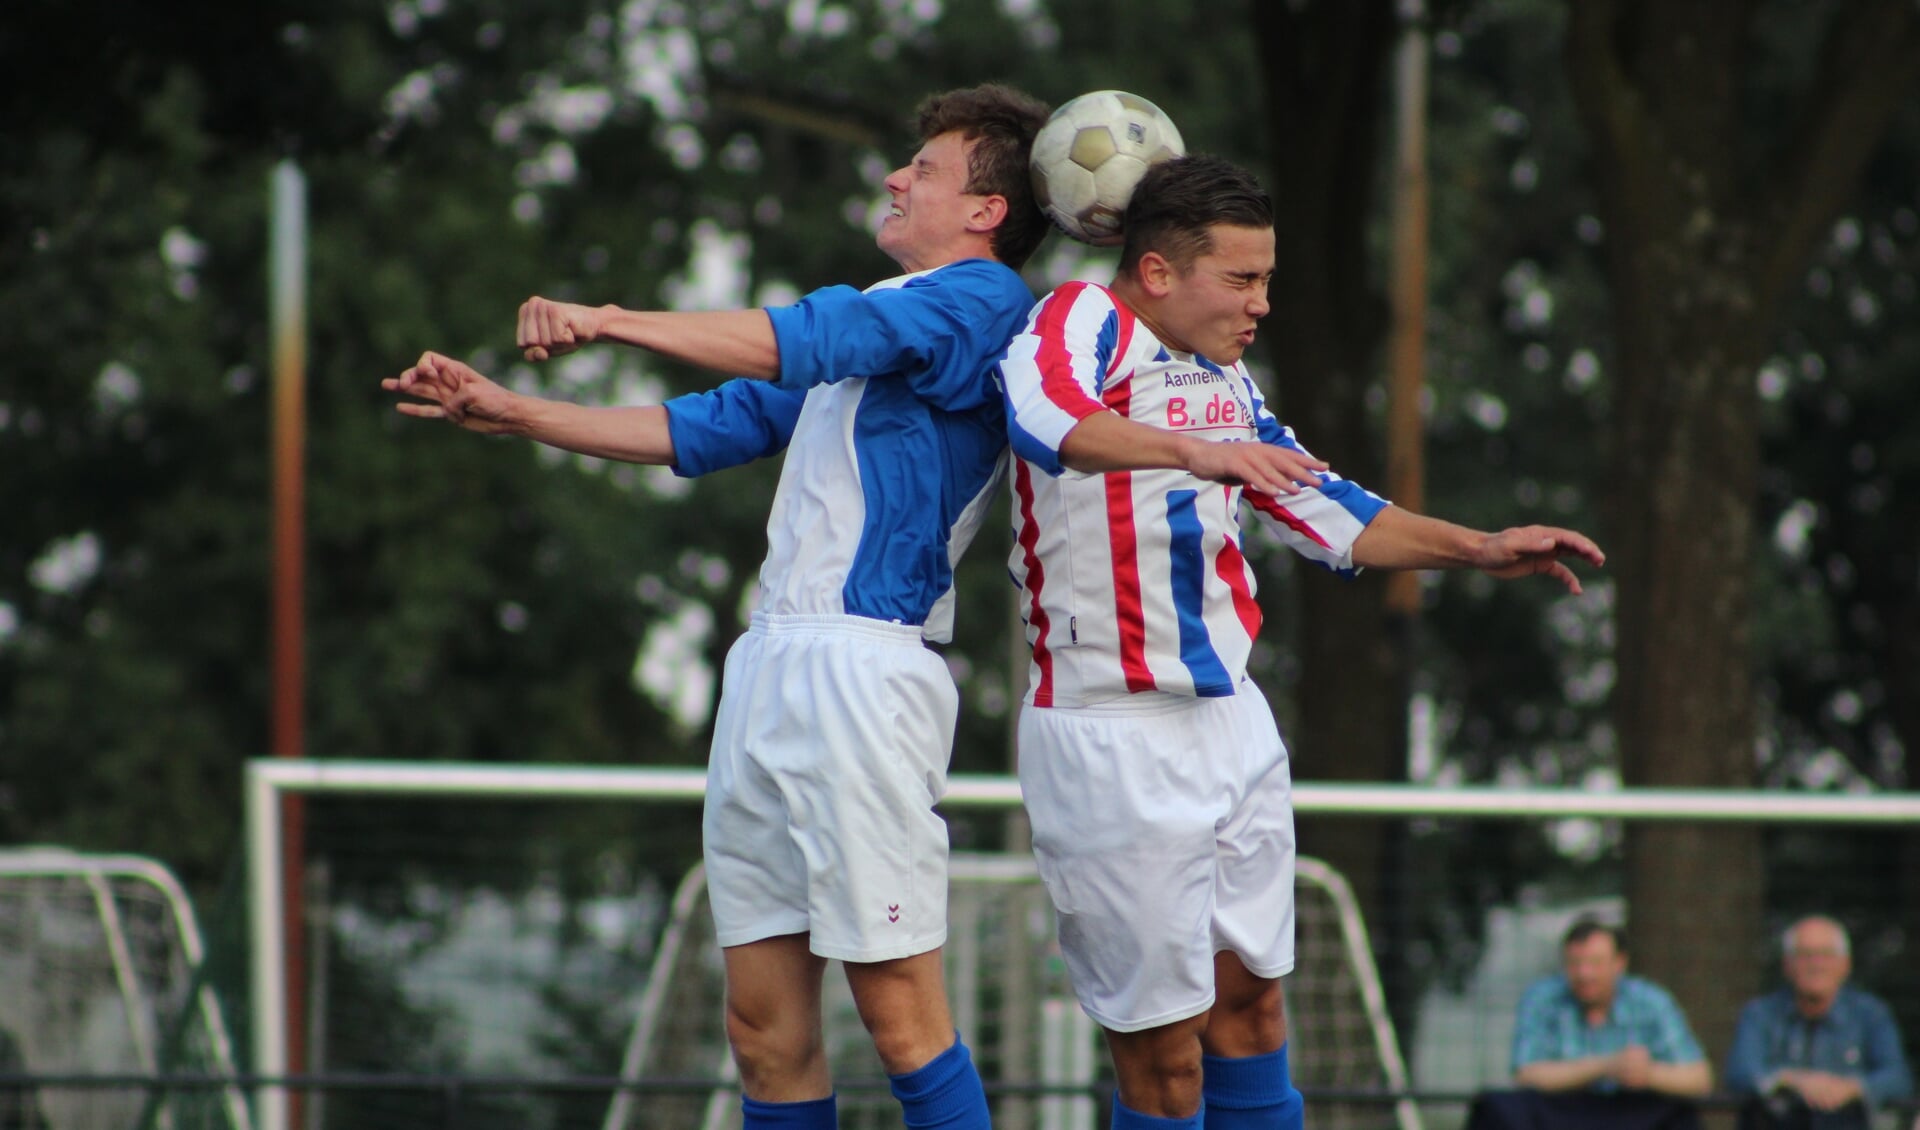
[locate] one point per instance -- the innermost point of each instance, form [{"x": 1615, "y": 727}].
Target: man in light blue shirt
[
  {"x": 1816, "y": 1053},
  {"x": 1593, "y": 1027}
]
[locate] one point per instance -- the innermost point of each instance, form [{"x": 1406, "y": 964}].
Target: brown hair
[
  {"x": 1586, "y": 928},
  {"x": 1001, "y": 121},
  {"x": 1178, "y": 202}
]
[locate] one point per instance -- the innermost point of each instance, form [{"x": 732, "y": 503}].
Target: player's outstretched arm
[
  {"x": 445, "y": 389},
  {"x": 1401, "y": 539},
  {"x": 735, "y": 342},
  {"x": 1106, "y": 441}
]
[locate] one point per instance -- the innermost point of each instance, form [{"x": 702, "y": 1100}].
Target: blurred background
[{"x": 1643, "y": 270}]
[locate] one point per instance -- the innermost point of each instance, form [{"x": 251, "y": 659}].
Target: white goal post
[
  {"x": 100, "y": 970},
  {"x": 269, "y": 780}
]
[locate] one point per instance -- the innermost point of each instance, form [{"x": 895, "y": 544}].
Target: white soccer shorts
[
  {"x": 829, "y": 751},
  {"x": 1163, "y": 829}
]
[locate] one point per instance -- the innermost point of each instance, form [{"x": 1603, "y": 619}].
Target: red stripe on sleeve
[
  {"x": 1268, "y": 505},
  {"x": 1055, "y": 360}
]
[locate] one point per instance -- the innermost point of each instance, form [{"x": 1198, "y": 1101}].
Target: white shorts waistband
[{"x": 838, "y": 624}]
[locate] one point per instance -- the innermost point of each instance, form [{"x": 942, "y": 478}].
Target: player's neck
[
  {"x": 1128, "y": 290},
  {"x": 914, "y": 260}
]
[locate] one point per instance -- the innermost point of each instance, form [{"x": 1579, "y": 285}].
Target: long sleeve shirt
[
  {"x": 894, "y": 430},
  {"x": 1856, "y": 1037},
  {"x": 1135, "y": 582}
]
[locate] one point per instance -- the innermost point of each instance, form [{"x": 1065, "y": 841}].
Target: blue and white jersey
[{"x": 895, "y": 434}]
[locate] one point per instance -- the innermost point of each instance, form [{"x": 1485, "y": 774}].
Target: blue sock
[
  {"x": 1251, "y": 1092},
  {"x": 814, "y": 1114},
  {"x": 1127, "y": 1118},
  {"x": 945, "y": 1094}
]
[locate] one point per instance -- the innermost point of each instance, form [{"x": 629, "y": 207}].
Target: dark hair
[
  {"x": 1586, "y": 928},
  {"x": 1177, "y": 203},
  {"x": 1001, "y": 121}
]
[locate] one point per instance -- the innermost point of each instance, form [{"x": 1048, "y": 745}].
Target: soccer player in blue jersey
[
  {"x": 836, "y": 722},
  {"x": 1155, "y": 778}
]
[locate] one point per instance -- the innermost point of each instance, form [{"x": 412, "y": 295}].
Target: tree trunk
[
  {"x": 1699, "y": 252},
  {"x": 1325, "y": 72}
]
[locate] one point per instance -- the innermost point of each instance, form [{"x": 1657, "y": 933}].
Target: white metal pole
[
  {"x": 669, "y": 783},
  {"x": 269, "y": 941}
]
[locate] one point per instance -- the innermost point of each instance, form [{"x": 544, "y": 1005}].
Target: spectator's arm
[
  {"x": 1678, "y": 1065},
  {"x": 1746, "y": 1063},
  {"x": 1688, "y": 1080},
  {"x": 1888, "y": 1078},
  {"x": 1564, "y": 1074}
]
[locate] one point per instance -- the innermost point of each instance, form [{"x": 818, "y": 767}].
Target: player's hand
[
  {"x": 1262, "y": 466},
  {"x": 451, "y": 390},
  {"x": 1527, "y": 550},
  {"x": 549, "y": 328},
  {"x": 1633, "y": 1067}
]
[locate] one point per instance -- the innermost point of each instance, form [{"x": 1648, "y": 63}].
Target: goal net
[
  {"x": 1017, "y": 1016},
  {"x": 99, "y": 958},
  {"x": 1012, "y": 1003}
]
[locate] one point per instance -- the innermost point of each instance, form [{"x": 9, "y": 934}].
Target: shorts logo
[{"x": 893, "y": 912}]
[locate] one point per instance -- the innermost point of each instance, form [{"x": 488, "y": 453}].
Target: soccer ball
[{"x": 1091, "y": 153}]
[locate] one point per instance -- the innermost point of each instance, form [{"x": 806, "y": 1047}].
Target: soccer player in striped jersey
[
  {"x": 835, "y": 724},
  {"x": 1156, "y": 781}
]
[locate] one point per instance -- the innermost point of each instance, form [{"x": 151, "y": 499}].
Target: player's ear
[
  {"x": 988, "y": 212},
  {"x": 1155, "y": 273}
]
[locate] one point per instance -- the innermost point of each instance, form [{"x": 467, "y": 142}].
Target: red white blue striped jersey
[{"x": 1134, "y": 582}]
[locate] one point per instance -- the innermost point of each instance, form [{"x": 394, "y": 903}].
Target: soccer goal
[
  {"x": 99, "y": 962},
  {"x": 1007, "y": 981},
  {"x": 1012, "y": 1003}
]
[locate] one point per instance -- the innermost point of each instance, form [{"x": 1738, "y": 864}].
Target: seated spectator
[
  {"x": 1816, "y": 1054},
  {"x": 1594, "y": 1027},
  {"x": 1595, "y": 1048}
]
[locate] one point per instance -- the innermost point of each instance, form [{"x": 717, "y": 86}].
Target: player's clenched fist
[
  {"x": 549, "y": 328},
  {"x": 451, "y": 390}
]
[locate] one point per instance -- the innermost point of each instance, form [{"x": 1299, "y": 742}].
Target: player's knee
[
  {"x": 1159, "y": 1061},
  {"x": 1174, "y": 1074},
  {"x": 904, "y": 1043},
  {"x": 1167, "y": 1085},
  {"x": 1248, "y": 1021},
  {"x": 765, "y": 1043}
]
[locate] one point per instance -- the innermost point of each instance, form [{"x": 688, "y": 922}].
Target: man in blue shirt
[
  {"x": 1816, "y": 1053},
  {"x": 1596, "y": 1049},
  {"x": 835, "y": 723},
  {"x": 1594, "y": 1027}
]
